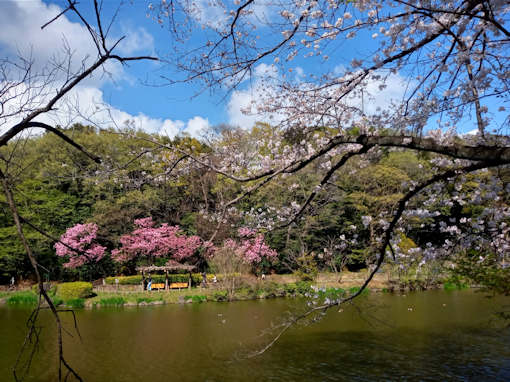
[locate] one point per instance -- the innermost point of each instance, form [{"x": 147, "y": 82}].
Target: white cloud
[
  {"x": 209, "y": 13},
  {"x": 197, "y": 127},
  {"x": 242, "y": 104},
  {"x": 171, "y": 128},
  {"x": 472, "y": 132},
  {"x": 86, "y": 104},
  {"x": 137, "y": 40},
  {"x": 21, "y": 30},
  {"x": 242, "y": 100},
  {"x": 95, "y": 110},
  {"x": 375, "y": 98},
  {"x": 62, "y": 39},
  {"x": 21, "y": 35},
  {"x": 217, "y": 15}
]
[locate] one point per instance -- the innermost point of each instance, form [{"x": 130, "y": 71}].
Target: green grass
[
  {"x": 356, "y": 290},
  {"x": 30, "y": 298},
  {"x": 148, "y": 300},
  {"x": 57, "y": 300},
  {"x": 112, "y": 301},
  {"x": 22, "y": 298},
  {"x": 449, "y": 285},
  {"x": 198, "y": 298},
  {"x": 76, "y": 303}
]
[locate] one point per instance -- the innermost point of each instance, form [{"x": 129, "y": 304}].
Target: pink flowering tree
[
  {"x": 151, "y": 242},
  {"x": 251, "y": 248},
  {"x": 79, "y": 244},
  {"x": 447, "y": 60},
  {"x": 237, "y": 257}
]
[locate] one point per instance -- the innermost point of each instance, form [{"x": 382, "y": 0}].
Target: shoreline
[{"x": 275, "y": 286}]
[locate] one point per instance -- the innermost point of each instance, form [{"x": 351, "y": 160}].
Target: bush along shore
[{"x": 127, "y": 292}]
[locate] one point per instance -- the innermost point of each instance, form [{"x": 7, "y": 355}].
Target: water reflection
[{"x": 432, "y": 336}]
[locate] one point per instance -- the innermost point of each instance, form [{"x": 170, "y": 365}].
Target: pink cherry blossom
[
  {"x": 252, "y": 247},
  {"x": 150, "y": 241},
  {"x": 82, "y": 238}
]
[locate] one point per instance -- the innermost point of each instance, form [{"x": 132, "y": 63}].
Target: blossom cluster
[
  {"x": 150, "y": 241},
  {"x": 79, "y": 244},
  {"x": 252, "y": 247}
]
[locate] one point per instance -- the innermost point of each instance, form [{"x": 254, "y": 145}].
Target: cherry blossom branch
[
  {"x": 325, "y": 180},
  {"x": 385, "y": 244},
  {"x": 454, "y": 150}
]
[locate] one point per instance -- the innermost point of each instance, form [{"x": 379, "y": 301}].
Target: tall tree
[
  {"x": 450, "y": 59},
  {"x": 30, "y": 93}
]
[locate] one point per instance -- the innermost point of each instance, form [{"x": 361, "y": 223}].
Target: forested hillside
[{"x": 141, "y": 176}]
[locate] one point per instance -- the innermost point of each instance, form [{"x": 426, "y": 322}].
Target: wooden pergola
[{"x": 171, "y": 265}]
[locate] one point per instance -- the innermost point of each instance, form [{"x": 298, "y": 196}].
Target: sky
[
  {"x": 154, "y": 109},
  {"x": 169, "y": 109}
]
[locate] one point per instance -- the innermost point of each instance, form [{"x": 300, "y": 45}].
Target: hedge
[{"x": 78, "y": 289}]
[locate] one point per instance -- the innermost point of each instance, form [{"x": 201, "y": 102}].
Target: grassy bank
[
  {"x": 259, "y": 290},
  {"x": 248, "y": 288}
]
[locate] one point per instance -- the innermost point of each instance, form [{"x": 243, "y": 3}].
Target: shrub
[
  {"x": 269, "y": 290},
  {"x": 78, "y": 289},
  {"x": 57, "y": 300},
  {"x": 356, "y": 289},
  {"x": 126, "y": 280},
  {"x": 23, "y": 298},
  {"x": 455, "y": 284},
  {"x": 290, "y": 289},
  {"x": 112, "y": 301},
  {"x": 220, "y": 296},
  {"x": 50, "y": 289},
  {"x": 246, "y": 292},
  {"x": 76, "y": 303},
  {"x": 210, "y": 277},
  {"x": 198, "y": 298},
  {"x": 307, "y": 270},
  {"x": 333, "y": 293},
  {"x": 303, "y": 287}
]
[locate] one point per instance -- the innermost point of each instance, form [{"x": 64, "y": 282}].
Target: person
[
  {"x": 204, "y": 280},
  {"x": 149, "y": 284},
  {"x": 12, "y": 281}
]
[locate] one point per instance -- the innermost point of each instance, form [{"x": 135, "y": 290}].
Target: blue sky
[
  {"x": 124, "y": 92},
  {"x": 170, "y": 109}
]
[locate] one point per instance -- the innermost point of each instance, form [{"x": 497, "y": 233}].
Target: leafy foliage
[
  {"x": 485, "y": 270},
  {"x": 78, "y": 289}
]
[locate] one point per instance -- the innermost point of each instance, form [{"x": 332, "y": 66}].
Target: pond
[{"x": 429, "y": 336}]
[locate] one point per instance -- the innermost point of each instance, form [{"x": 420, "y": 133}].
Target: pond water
[{"x": 428, "y": 336}]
